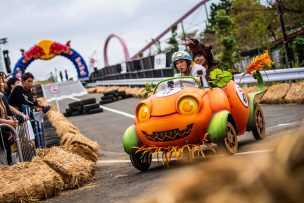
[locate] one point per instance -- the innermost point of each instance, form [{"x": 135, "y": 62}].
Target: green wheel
[
  {"x": 130, "y": 140},
  {"x": 140, "y": 161},
  {"x": 258, "y": 129}
]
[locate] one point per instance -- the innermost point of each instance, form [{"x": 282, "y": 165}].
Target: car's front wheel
[{"x": 141, "y": 161}]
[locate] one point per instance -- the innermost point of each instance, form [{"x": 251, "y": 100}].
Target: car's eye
[
  {"x": 187, "y": 105},
  {"x": 143, "y": 113}
]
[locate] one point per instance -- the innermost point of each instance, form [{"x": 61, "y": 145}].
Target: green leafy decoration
[
  {"x": 219, "y": 78},
  {"x": 149, "y": 88}
]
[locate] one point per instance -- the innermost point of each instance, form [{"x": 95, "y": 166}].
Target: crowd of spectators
[{"x": 14, "y": 96}]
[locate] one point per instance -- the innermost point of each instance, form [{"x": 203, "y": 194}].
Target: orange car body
[{"x": 168, "y": 126}]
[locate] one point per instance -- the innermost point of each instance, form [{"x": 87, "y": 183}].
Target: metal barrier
[
  {"x": 268, "y": 76},
  {"x": 36, "y": 125},
  {"x": 28, "y": 136},
  {"x": 16, "y": 139},
  {"x": 26, "y": 142}
]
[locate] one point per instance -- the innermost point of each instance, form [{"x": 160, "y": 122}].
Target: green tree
[
  {"x": 293, "y": 12},
  {"x": 252, "y": 22},
  {"x": 223, "y": 28},
  {"x": 214, "y": 8},
  {"x": 297, "y": 46},
  {"x": 172, "y": 40}
]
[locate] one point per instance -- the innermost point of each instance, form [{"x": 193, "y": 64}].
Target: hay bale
[
  {"x": 133, "y": 91},
  {"x": 82, "y": 140},
  {"x": 123, "y": 88},
  {"x": 267, "y": 178},
  {"x": 29, "y": 182},
  {"x": 128, "y": 90},
  {"x": 251, "y": 89},
  {"x": 276, "y": 94},
  {"x": 74, "y": 169},
  {"x": 41, "y": 153},
  {"x": 79, "y": 144},
  {"x": 295, "y": 94},
  {"x": 140, "y": 92},
  {"x": 111, "y": 88},
  {"x": 248, "y": 90},
  {"x": 101, "y": 89},
  {"x": 65, "y": 138},
  {"x": 54, "y": 116},
  {"x": 42, "y": 101},
  {"x": 84, "y": 151},
  {"x": 64, "y": 127},
  {"x": 92, "y": 90}
]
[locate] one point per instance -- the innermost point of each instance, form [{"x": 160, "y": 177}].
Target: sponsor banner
[
  {"x": 160, "y": 61},
  {"x": 123, "y": 68}
]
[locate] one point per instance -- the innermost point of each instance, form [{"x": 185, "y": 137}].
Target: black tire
[
  {"x": 106, "y": 101},
  {"x": 88, "y": 101},
  {"x": 74, "y": 104},
  {"x": 98, "y": 110},
  {"x": 258, "y": 130},
  {"x": 88, "y": 107},
  {"x": 68, "y": 110},
  {"x": 115, "y": 99},
  {"x": 76, "y": 108},
  {"x": 128, "y": 96},
  {"x": 107, "y": 97},
  {"x": 75, "y": 113},
  {"x": 111, "y": 93},
  {"x": 122, "y": 94},
  {"x": 140, "y": 162},
  {"x": 230, "y": 141},
  {"x": 116, "y": 94},
  {"x": 66, "y": 114}
]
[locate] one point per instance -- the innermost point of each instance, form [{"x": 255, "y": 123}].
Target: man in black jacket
[{"x": 22, "y": 95}]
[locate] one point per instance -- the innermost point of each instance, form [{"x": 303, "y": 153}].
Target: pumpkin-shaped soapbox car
[{"x": 181, "y": 113}]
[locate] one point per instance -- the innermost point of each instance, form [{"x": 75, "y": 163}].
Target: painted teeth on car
[{"x": 170, "y": 135}]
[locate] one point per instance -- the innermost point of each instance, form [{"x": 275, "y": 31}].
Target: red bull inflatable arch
[
  {"x": 47, "y": 49},
  {"x": 123, "y": 44}
]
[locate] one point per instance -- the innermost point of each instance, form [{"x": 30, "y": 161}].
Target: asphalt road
[{"x": 116, "y": 180}]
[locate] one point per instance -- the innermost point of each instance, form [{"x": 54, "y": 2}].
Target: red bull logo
[
  {"x": 46, "y": 49},
  {"x": 34, "y": 53},
  {"x": 58, "y": 49}
]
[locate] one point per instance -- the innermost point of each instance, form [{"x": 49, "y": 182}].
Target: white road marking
[
  {"x": 119, "y": 112},
  {"x": 255, "y": 152},
  {"x": 76, "y": 99},
  {"x": 112, "y": 161},
  {"x": 160, "y": 160},
  {"x": 285, "y": 124}
]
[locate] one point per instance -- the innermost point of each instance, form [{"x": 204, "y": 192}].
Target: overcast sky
[{"x": 87, "y": 23}]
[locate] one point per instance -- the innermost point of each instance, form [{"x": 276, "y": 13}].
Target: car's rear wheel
[
  {"x": 230, "y": 140},
  {"x": 141, "y": 161},
  {"x": 258, "y": 130}
]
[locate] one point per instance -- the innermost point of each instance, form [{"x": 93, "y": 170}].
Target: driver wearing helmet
[{"x": 182, "y": 62}]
